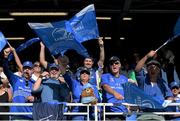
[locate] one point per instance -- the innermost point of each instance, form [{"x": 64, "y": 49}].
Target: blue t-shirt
[
  {"x": 51, "y": 90},
  {"x": 116, "y": 84},
  {"x": 77, "y": 87}
]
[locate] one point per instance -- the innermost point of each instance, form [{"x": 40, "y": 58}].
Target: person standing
[
  {"x": 151, "y": 82},
  {"x": 113, "y": 89},
  {"x": 21, "y": 87}
]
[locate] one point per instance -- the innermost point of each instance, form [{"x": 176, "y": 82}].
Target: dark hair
[{"x": 89, "y": 57}]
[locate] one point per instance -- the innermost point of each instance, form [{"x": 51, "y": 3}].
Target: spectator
[
  {"x": 151, "y": 82},
  {"x": 89, "y": 62},
  {"x": 21, "y": 86},
  {"x": 112, "y": 88},
  {"x": 76, "y": 87},
  {"x": 5, "y": 97},
  {"x": 175, "y": 90},
  {"x": 52, "y": 86}
]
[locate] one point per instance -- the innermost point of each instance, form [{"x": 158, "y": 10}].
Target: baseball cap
[
  {"x": 114, "y": 59},
  {"x": 153, "y": 62},
  {"x": 53, "y": 65},
  {"x": 28, "y": 64},
  {"x": 84, "y": 69},
  {"x": 174, "y": 84}
]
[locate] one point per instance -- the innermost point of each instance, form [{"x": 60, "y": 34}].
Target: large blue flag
[
  {"x": 24, "y": 46},
  {"x": 176, "y": 33},
  {"x": 56, "y": 37},
  {"x": 68, "y": 35},
  {"x": 84, "y": 25},
  {"x": 135, "y": 95},
  {"x": 3, "y": 41}
]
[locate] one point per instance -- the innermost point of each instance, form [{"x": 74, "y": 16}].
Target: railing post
[
  {"x": 104, "y": 112},
  {"x": 87, "y": 112},
  {"x": 96, "y": 112}
]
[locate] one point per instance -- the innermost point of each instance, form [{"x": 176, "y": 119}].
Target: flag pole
[
  {"x": 162, "y": 45},
  {"x": 169, "y": 40},
  {"x": 9, "y": 44}
]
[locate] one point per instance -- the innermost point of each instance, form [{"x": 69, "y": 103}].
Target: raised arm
[
  {"x": 39, "y": 80},
  {"x": 102, "y": 53},
  {"x": 141, "y": 63},
  {"x": 42, "y": 56},
  {"x": 7, "y": 72},
  {"x": 17, "y": 59}
]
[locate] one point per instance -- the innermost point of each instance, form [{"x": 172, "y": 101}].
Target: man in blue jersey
[
  {"x": 151, "y": 82},
  {"x": 112, "y": 88},
  {"x": 21, "y": 86}
]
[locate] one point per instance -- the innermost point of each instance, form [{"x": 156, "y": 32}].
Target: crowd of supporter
[{"x": 55, "y": 83}]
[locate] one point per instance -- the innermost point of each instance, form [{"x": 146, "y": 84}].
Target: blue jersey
[
  {"x": 21, "y": 89},
  {"x": 159, "y": 91},
  {"x": 116, "y": 84}
]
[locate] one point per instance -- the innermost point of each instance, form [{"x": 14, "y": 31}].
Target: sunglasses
[
  {"x": 26, "y": 67},
  {"x": 175, "y": 87},
  {"x": 116, "y": 63},
  {"x": 36, "y": 65},
  {"x": 54, "y": 68},
  {"x": 82, "y": 72}
]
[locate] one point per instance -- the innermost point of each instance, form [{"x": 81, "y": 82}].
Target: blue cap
[
  {"x": 114, "y": 59},
  {"x": 174, "y": 84},
  {"x": 28, "y": 64},
  {"x": 53, "y": 65}
]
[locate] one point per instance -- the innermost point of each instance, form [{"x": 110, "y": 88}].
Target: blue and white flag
[
  {"x": 135, "y": 95},
  {"x": 68, "y": 35},
  {"x": 24, "y": 46},
  {"x": 57, "y": 38},
  {"x": 84, "y": 25},
  {"x": 3, "y": 41}
]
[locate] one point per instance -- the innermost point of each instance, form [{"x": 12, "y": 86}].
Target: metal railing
[{"x": 85, "y": 113}]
